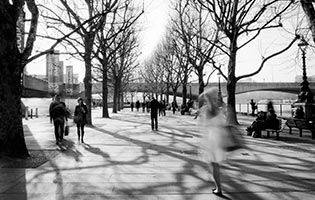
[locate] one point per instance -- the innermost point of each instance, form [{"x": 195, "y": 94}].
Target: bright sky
[{"x": 280, "y": 69}]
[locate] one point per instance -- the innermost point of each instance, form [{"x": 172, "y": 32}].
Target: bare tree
[
  {"x": 152, "y": 74},
  {"x": 73, "y": 17},
  {"x": 109, "y": 41},
  {"x": 13, "y": 59},
  {"x": 198, "y": 37},
  {"x": 124, "y": 63},
  {"x": 183, "y": 33},
  {"x": 167, "y": 59},
  {"x": 242, "y": 22}
]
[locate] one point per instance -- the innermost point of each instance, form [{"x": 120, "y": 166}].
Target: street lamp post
[
  {"x": 305, "y": 94},
  {"x": 305, "y": 97},
  {"x": 220, "y": 99}
]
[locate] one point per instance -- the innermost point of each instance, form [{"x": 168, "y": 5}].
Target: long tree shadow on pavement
[{"x": 190, "y": 169}]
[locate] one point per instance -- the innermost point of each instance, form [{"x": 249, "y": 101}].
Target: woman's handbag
[
  {"x": 234, "y": 139},
  {"x": 66, "y": 129},
  {"x": 77, "y": 119}
]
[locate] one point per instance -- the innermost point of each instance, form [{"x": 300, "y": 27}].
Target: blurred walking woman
[
  {"x": 211, "y": 127},
  {"x": 80, "y": 113}
]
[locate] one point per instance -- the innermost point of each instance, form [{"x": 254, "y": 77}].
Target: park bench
[
  {"x": 301, "y": 124},
  {"x": 277, "y": 131}
]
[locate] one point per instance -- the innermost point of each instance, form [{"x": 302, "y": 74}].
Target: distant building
[
  {"x": 75, "y": 78},
  {"x": 54, "y": 72},
  {"x": 58, "y": 81},
  {"x": 69, "y": 74},
  {"x": 61, "y": 71}
]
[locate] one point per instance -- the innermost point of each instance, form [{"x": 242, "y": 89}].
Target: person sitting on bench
[
  {"x": 270, "y": 122},
  {"x": 299, "y": 113}
]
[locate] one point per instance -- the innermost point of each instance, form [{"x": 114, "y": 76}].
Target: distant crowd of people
[{"x": 162, "y": 107}]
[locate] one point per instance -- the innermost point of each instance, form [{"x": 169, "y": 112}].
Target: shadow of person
[
  {"x": 95, "y": 150},
  {"x": 67, "y": 147}
]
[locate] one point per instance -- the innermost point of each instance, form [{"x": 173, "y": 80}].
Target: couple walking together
[{"x": 59, "y": 116}]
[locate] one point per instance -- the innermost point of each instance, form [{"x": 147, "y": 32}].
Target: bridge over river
[
  {"x": 34, "y": 87},
  {"x": 242, "y": 87}
]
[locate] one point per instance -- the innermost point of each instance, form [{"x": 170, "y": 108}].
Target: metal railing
[{"x": 284, "y": 110}]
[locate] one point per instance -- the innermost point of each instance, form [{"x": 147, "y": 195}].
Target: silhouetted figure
[
  {"x": 132, "y": 105},
  {"x": 154, "y": 106},
  {"x": 174, "y": 106},
  {"x": 162, "y": 108},
  {"x": 80, "y": 113},
  {"x": 58, "y": 115},
  {"x": 253, "y": 106},
  {"x": 299, "y": 113},
  {"x": 137, "y": 105},
  {"x": 143, "y": 106},
  {"x": 263, "y": 121},
  {"x": 270, "y": 106}
]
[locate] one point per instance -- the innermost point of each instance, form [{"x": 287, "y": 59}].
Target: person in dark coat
[
  {"x": 253, "y": 106},
  {"x": 174, "y": 106},
  {"x": 263, "y": 122},
  {"x": 154, "y": 107},
  {"x": 143, "y": 106},
  {"x": 299, "y": 113},
  {"x": 137, "y": 105},
  {"x": 80, "y": 113},
  {"x": 132, "y": 105},
  {"x": 58, "y": 115}
]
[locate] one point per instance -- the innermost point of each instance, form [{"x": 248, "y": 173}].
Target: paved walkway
[{"x": 123, "y": 159}]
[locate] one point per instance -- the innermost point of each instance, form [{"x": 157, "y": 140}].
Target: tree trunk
[
  {"x": 231, "y": 85},
  {"x": 115, "y": 98},
  {"x": 185, "y": 89},
  {"x": 201, "y": 83},
  {"x": 88, "y": 89},
  {"x": 118, "y": 98},
  {"x": 167, "y": 93},
  {"x": 105, "y": 94},
  {"x": 12, "y": 142}
]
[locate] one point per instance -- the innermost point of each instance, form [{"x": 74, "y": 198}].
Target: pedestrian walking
[
  {"x": 163, "y": 108},
  {"x": 211, "y": 127},
  {"x": 143, "y": 106},
  {"x": 174, "y": 106},
  {"x": 154, "y": 107},
  {"x": 58, "y": 115},
  {"x": 137, "y": 105},
  {"x": 132, "y": 105},
  {"x": 80, "y": 113}
]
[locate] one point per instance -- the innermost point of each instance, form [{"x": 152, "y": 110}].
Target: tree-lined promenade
[{"x": 203, "y": 38}]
